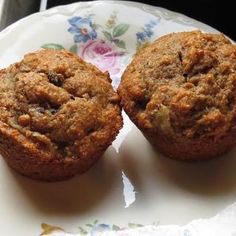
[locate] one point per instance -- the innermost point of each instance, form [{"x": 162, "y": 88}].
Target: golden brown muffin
[
  {"x": 181, "y": 93},
  {"x": 58, "y": 115}
]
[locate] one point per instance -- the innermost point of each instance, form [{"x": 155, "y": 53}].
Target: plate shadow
[
  {"x": 78, "y": 195},
  {"x": 214, "y": 177}
]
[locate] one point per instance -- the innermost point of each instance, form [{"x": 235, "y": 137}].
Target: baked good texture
[
  {"x": 58, "y": 114},
  {"x": 181, "y": 93}
]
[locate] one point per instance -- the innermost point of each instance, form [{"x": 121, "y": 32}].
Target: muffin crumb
[{"x": 24, "y": 120}]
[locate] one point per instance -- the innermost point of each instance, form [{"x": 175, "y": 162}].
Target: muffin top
[
  {"x": 184, "y": 85},
  {"x": 55, "y": 103}
]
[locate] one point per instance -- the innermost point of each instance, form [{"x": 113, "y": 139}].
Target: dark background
[{"x": 218, "y": 14}]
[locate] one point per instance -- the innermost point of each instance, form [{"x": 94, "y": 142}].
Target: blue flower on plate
[
  {"x": 141, "y": 36},
  {"x": 151, "y": 24},
  {"x": 82, "y": 29},
  {"x": 100, "y": 228},
  {"x": 144, "y": 35},
  {"x": 147, "y": 31},
  {"x": 187, "y": 233}
]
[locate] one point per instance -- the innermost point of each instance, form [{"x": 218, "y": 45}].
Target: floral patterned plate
[{"x": 132, "y": 184}]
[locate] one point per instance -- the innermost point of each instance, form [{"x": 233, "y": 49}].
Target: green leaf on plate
[
  {"x": 115, "y": 227},
  {"x": 95, "y": 26},
  {"x": 89, "y": 225},
  {"x": 95, "y": 222},
  {"x": 120, "y": 30},
  {"x": 54, "y": 46},
  {"x": 48, "y": 229},
  {"x": 107, "y": 35},
  {"x": 83, "y": 231},
  {"x": 133, "y": 225},
  {"x": 120, "y": 44},
  {"x": 139, "y": 225},
  {"x": 73, "y": 48}
]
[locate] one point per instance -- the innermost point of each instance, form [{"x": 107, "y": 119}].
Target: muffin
[
  {"x": 58, "y": 114},
  {"x": 180, "y": 91}
]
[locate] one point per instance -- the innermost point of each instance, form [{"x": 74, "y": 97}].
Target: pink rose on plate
[{"x": 102, "y": 54}]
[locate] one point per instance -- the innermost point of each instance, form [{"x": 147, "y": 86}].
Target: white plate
[{"x": 132, "y": 183}]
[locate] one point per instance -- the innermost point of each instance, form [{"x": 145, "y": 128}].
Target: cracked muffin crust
[
  {"x": 58, "y": 114},
  {"x": 181, "y": 93}
]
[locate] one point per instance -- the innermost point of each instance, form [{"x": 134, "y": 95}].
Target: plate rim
[{"x": 148, "y": 8}]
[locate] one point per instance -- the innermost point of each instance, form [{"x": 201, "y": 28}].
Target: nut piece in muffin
[
  {"x": 58, "y": 114},
  {"x": 180, "y": 91}
]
